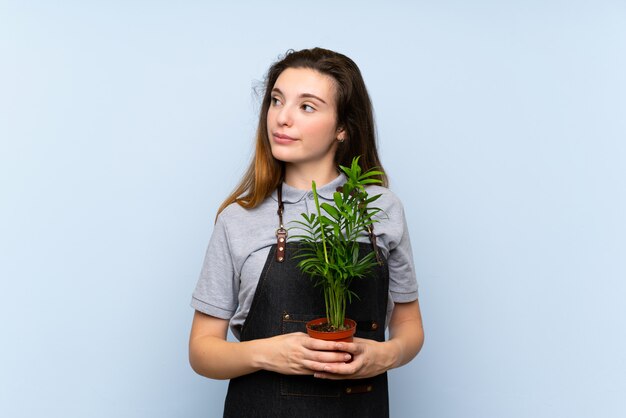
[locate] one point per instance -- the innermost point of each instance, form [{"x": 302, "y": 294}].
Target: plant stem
[{"x": 319, "y": 218}]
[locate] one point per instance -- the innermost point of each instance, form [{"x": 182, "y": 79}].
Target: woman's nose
[{"x": 284, "y": 116}]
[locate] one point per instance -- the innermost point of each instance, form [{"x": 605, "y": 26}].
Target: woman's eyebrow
[
  {"x": 309, "y": 95},
  {"x": 302, "y": 96}
]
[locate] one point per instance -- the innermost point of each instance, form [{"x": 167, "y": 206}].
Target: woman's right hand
[{"x": 297, "y": 353}]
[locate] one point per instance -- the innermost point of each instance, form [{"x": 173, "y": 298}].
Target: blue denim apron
[{"x": 285, "y": 299}]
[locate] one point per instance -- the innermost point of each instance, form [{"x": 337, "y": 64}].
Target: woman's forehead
[{"x": 305, "y": 81}]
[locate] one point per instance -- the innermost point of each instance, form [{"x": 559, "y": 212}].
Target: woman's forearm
[
  {"x": 406, "y": 333},
  {"x": 211, "y": 355},
  {"x": 216, "y": 358},
  {"x": 407, "y": 340}
]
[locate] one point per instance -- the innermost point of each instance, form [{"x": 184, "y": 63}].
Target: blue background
[{"x": 123, "y": 125}]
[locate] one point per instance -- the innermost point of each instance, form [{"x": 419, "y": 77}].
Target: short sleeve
[
  {"x": 402, "y": 277},
  {"x": 218, "y": 285}
]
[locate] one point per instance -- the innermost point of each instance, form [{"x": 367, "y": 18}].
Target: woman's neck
[{"x": 301, "y": 175}]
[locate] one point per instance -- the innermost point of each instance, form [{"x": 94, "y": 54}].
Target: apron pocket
[
  {"x": 297, "y": 322},
  {"x": 295, "y": 385}
]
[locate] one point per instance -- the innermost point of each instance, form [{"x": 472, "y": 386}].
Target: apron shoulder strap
[{"x": 281, "y": 232}]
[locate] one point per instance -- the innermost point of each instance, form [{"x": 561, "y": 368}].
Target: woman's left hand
[{"x": 369, "y": 358}]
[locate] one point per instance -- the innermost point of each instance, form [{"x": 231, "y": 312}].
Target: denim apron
[{"x": 285, "y": 299}]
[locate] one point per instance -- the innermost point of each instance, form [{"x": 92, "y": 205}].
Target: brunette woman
[{"x": 316, "y": 115}]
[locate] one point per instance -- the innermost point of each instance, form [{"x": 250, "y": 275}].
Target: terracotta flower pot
[{"x": 344, "y": 335}]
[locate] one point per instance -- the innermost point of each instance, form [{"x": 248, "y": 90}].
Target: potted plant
[{"x": 330, "y": 251}]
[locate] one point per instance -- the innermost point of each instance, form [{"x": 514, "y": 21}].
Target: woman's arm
[
  {"x": 370, "y": 358},
  {"x": 406, "y": 331},
  {"x": 212, "y": 356}
]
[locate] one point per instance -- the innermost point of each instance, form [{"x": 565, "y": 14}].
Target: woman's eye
[
  {"x": 307, "y": 108},
  {"x": 275, "y": 101}
]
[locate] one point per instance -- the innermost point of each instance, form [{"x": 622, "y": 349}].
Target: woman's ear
[{"x": 341, "y": 134}]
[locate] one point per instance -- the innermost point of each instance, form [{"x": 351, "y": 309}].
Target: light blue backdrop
[{"x": 123, "y": 124}]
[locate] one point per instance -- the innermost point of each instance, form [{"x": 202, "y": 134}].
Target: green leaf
[
  {"x": 338, "y": 198},
  {"x": 371, "y": 173},
  {"x": 331, "y": 210},
  {"x": 370, "y": 181}
]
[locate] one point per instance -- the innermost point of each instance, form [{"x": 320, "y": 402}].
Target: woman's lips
[{"x": 283, "y": 139}]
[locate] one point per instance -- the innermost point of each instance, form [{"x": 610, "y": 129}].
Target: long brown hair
[{"x": 354, "y": 114}]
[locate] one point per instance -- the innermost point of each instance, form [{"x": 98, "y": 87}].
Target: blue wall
[{"x": 124, "y": 124}]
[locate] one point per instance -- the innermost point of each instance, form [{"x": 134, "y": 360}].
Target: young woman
[{"x": 316, "y": 114}]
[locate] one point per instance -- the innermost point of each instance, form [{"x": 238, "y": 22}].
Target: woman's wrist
[
  {"x": 393, "y": 354},
  {"x": 257, "y": 354}
]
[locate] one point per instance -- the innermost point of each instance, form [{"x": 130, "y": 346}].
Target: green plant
[{"x": 330, "y": 250}]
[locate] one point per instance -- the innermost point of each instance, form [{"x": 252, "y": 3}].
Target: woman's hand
[
  {"x": 369, "y": 358},
  {"x": 297, "y": 353}
]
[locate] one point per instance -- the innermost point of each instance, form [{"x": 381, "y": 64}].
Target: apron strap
[
  {"x": 281, "y": 232},
  {"x": 370, "y": 231}
]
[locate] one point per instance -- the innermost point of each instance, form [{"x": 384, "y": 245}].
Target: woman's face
[{"x": 302, "y": 117}]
